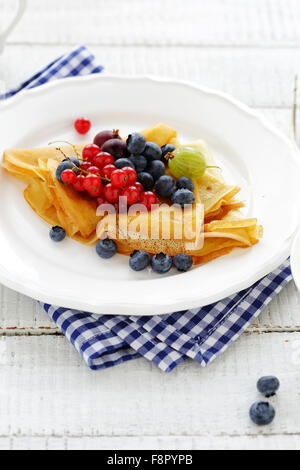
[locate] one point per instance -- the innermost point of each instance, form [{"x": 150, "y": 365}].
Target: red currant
[
  {"x": 131, "y": 175},
  {"x": 92, "y": 184},
  {"x": 85, "y": 165},
  {"x": 78, "y": 183},
  {"x": 102, "y": 159},
  {"x": 68, "y": 176},
  {"x": 96, "y": 192},
  {"x": 107, "y": 171},
  {"x": 148, "y": 198},
  {"x": 90, "y": 151},
  {"x": 94, "y": 170},
  {"x": 101, "y": 200},
  {"x": 139, "y": 186},
  {"x": 118, "y": 178},
  {"x": 82, "y": 125},
  {"x": 111, "y": 193},
  {"x": 132, "y": 194}
]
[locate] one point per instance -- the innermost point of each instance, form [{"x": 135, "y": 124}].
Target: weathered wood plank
[
  {"x": 175, "y": 443},
  {"x": 49, "y": 392}
]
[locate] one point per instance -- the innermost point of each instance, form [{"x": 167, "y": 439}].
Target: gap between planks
[
  {"x": 48, "y": 331},
  {"x": 228, "y": 45},
  {"x": 182, "y": 442},
  {"x": 134, "y": 436}
]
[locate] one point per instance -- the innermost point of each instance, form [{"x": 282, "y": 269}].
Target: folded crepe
[
  {"x": 54, "y": 202},
  {"x": 211, "y": 228}
]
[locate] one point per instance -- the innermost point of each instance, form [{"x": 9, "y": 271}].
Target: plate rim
[
  {"x": 154, "y": 308},
  {"x": 27, "y": 93}
]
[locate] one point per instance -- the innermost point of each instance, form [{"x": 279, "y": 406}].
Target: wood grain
[
  {"x": 161, "y": 22},
  {"x": 175, "y": 443}
]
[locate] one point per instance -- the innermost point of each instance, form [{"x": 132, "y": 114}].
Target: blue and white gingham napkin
[
  {"x": 166, "y": 340},
  {"x": 79, "y": 61}
]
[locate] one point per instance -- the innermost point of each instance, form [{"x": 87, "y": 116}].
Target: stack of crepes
[{"x": 213, "y": 227}]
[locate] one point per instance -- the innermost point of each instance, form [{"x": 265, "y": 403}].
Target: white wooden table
[{"x": 48, "y": 398}]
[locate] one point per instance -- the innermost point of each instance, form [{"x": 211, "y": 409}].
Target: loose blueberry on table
[
  {"x": 262, "y": 413},
  {"x": 268, "y": 386}
]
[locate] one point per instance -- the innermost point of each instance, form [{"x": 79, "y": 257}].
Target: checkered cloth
[
  {"x": 166, "y": 340},
  {"x": 78, "y": 62}
]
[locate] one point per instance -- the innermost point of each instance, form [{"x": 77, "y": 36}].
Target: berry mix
[{"x": 134, "y": 169}]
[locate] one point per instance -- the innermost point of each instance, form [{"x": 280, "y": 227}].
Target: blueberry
[
  {"x": 73, "y": 159},
  {"x": 161, "y": 263},
  {"x": 139, "y": 161},
  {"x": 61, "y": 167},
  {"x": 268, "y": 386},
  {"x": 139, "y": 260},
  {"x": 136, "y": 143},
  {"x": 165, "y": 186},
  {"x": 146, "y": 180},
  {"x": 166, "y": 149},
  {"x": 152, "y": 151},
  {"x": 106, "y": 248},
  {"x": 121, "y": 162},
  {"x": 185, "y": 183},
  {"x": 57, "y": 234},
  {"x": 262, "y": 413},
  {"x": 183, "y": 197},
  {"x": 183, "y": 262},
  {"x": 156, "y": 168}
]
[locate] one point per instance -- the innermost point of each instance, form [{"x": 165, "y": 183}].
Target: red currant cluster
[{"x": 101, "y": 179}]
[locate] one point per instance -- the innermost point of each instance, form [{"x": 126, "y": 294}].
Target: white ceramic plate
[{"x": 252, "y": 153}]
